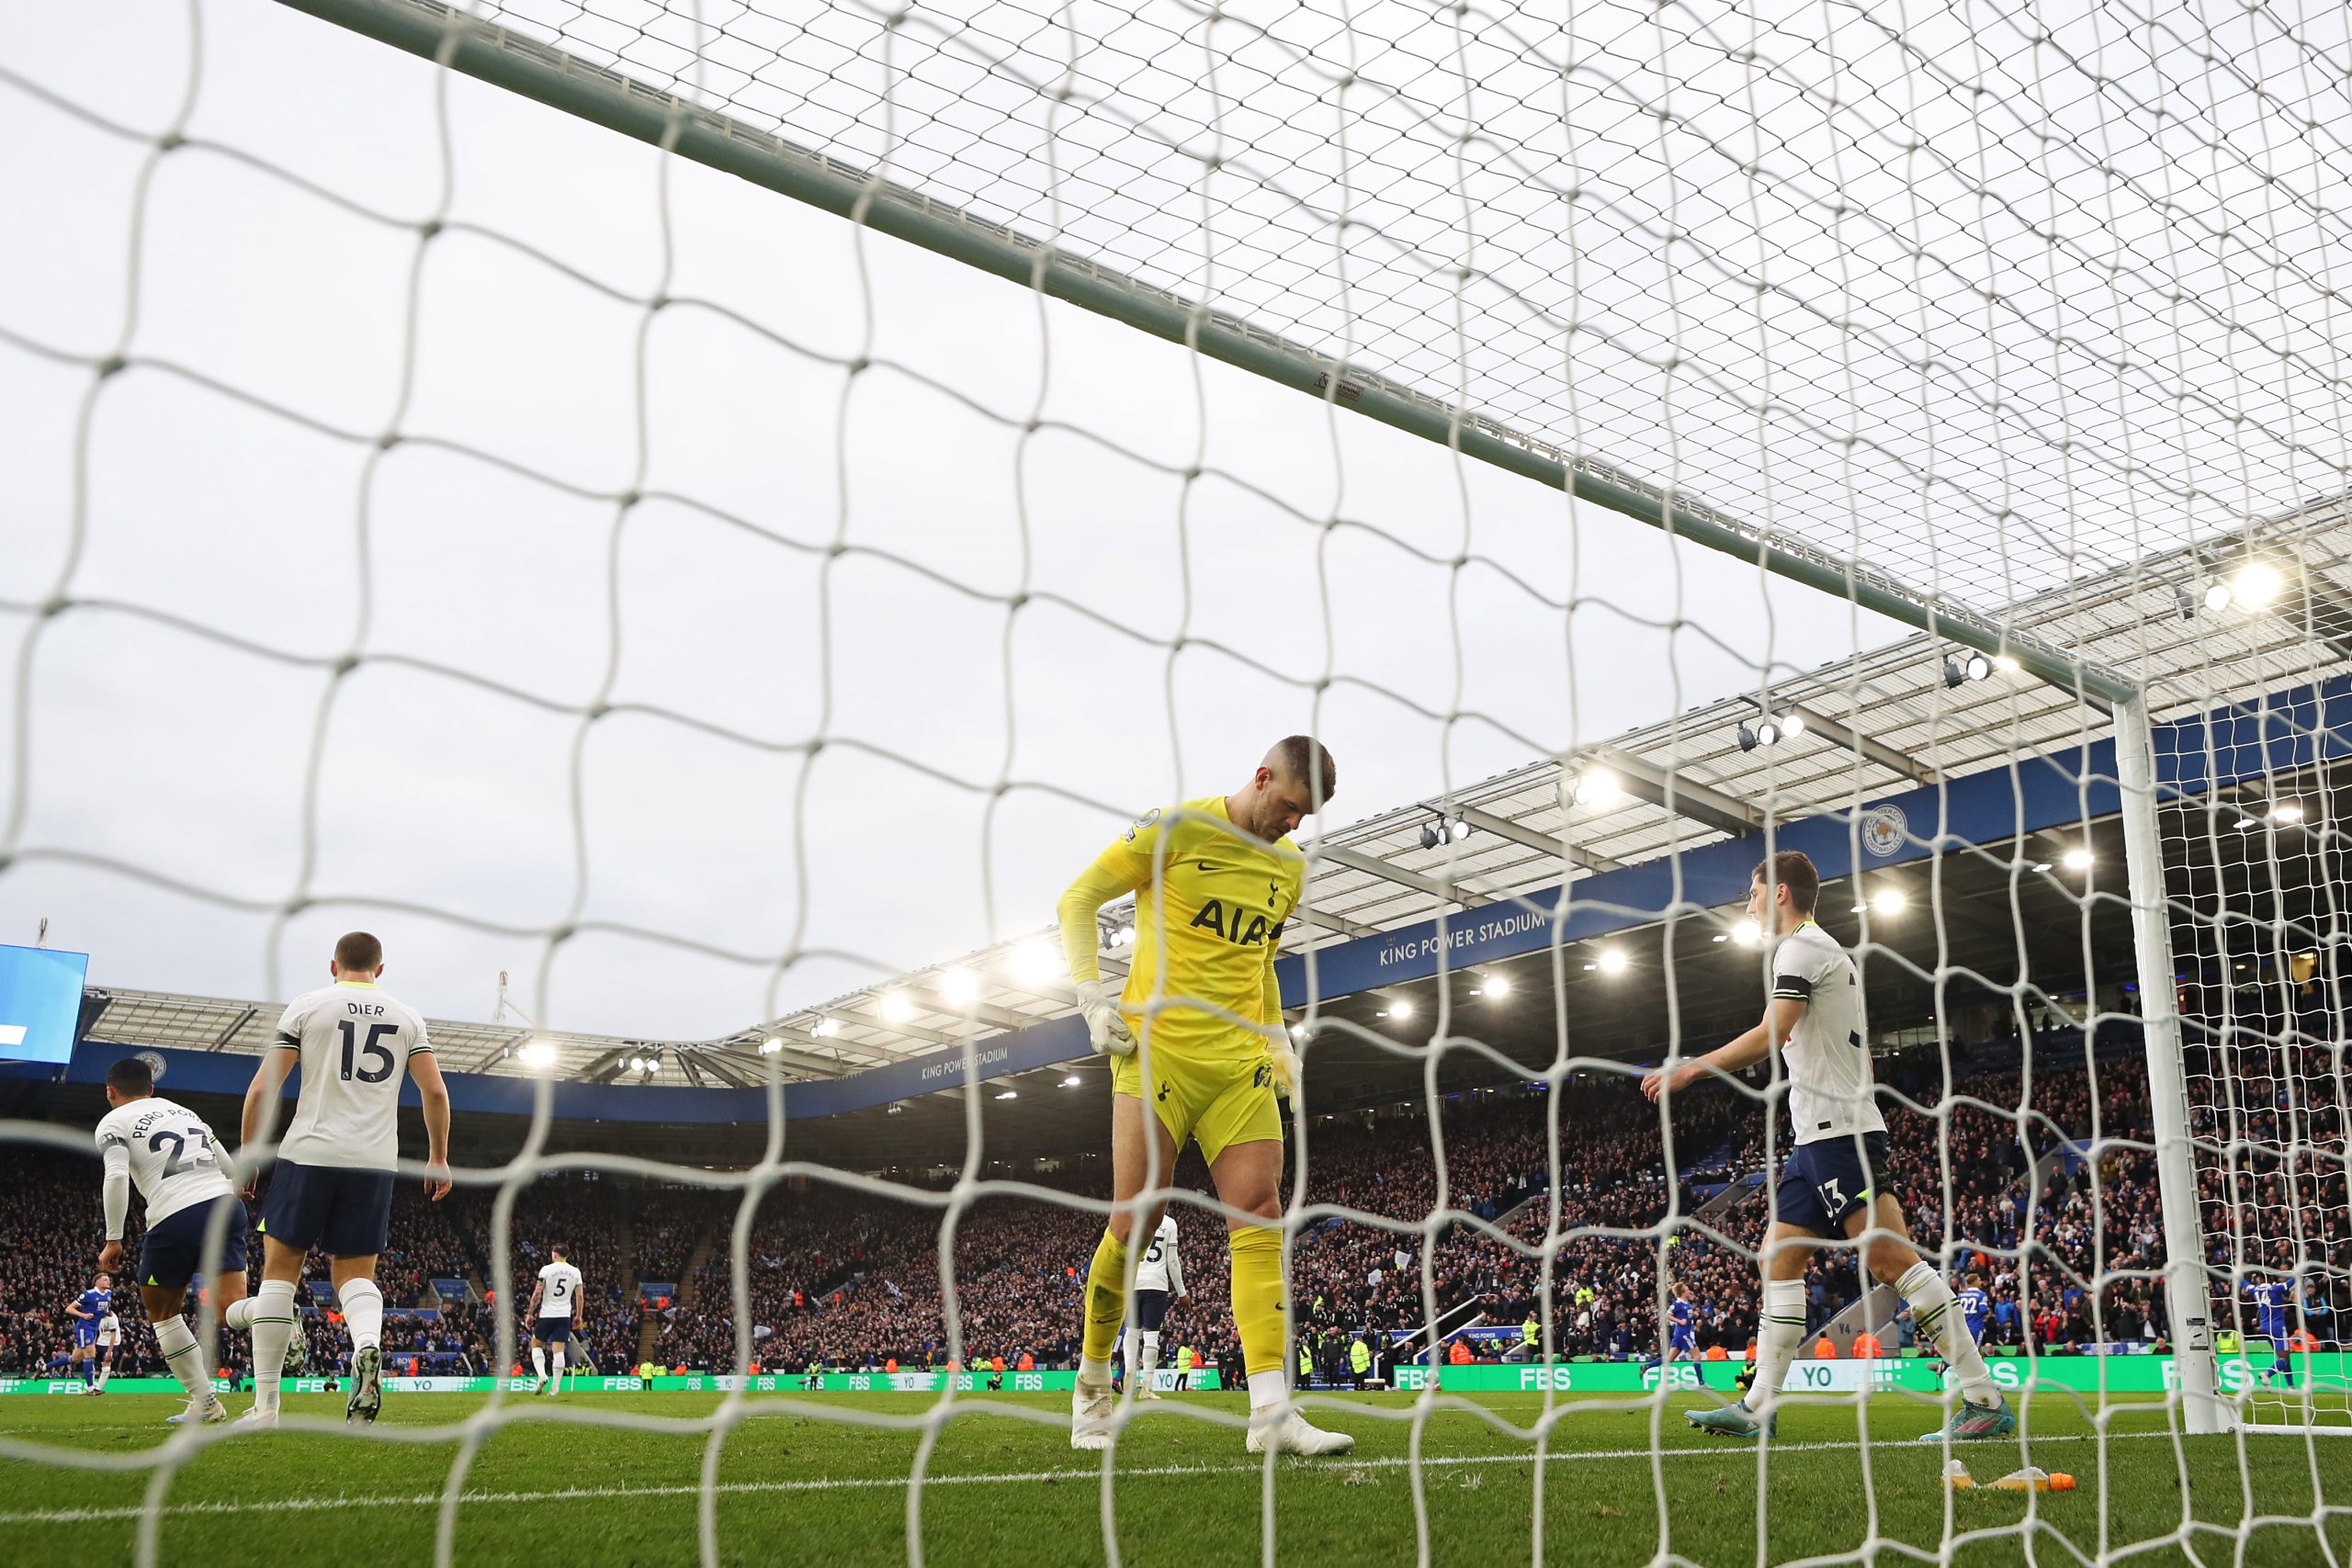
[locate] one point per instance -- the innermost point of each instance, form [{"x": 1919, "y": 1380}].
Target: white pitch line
[{"x": 878, "y": 1483}]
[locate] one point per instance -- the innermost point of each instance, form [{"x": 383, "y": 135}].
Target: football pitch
[{"x": 559, "y": 1484}]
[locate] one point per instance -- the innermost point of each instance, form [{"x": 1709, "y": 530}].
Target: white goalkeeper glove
[
  {"x": 1106, "y": 1031},
  {"x": 1287, "y": 1070}
]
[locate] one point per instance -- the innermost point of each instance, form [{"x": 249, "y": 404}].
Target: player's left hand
[
  {"x": 436, "y": 1181},
  {"x": 1287, "y": 1070},
  {"x": 110, "y": 1256}
]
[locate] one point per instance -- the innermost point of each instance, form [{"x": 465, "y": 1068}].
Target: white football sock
[
  {"x": 1150, "y": 1358},
  {"x": 555, "y": 1359},
  {"x": 363, "y": 1312},
  {"x": 540, "y": 1361},
  {"x": 184, "y": 1356},
  {"x": 1267, "y": 1388},
  {"x": 1777, "y": 1338},
  {"x": 273, "y": 1327},
  {"x": 238, "y": 1314},
  {"x": 1093, "y": 1372},
  {"x": 106, "y": 1371},
  {"x": 1931, "y": 1309}
]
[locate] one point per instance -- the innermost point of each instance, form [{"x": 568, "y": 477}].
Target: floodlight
[{"x": 2256, "y": 585}]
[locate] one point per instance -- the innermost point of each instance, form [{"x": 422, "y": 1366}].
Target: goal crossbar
[{"x": 505, "y": 59}]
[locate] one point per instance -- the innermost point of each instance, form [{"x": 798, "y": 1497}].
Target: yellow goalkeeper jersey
[{"x": 1210, "y": 906}]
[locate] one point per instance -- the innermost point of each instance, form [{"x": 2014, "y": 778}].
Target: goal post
[{"x": 2186, "y": 1288}]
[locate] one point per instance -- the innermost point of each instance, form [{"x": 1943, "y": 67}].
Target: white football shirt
[
  {"x": 356, "y": 1040},
  {"x": 1160, "y": 1269},
  {"x": 169, "y": 1151},
  {"x": 110, "y": 1330},
  {"x": 559, "y": 1291},
  {"x": 1827, "y": 1052}
]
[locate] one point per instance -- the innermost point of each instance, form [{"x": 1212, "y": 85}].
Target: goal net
[
  {"x": 715, "y": 506},
  {"x": 2259, "y": 888}
]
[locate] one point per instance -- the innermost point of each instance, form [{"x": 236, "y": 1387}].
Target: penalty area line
[{"x": 879, "y": 1483}]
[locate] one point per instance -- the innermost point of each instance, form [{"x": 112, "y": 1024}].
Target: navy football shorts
[
  {"x": 345, "y": 1212},
  {"x": 173, "y": 1253},
  {"x": 1827, "y": 1180}
]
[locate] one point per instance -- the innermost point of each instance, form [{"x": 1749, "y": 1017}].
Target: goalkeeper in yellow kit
[{"x": 1197, "y": 1034}]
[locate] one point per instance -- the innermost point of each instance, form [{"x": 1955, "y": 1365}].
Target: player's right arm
[
  {"x": 114, "y": 1192},
  {"x": 259, "y": 1123},
  {"x": 426, "y": 1071},
  {"x": 1781, "y": 1015},
  {"x": 1122, "y": 869}
]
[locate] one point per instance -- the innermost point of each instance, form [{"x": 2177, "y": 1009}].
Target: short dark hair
[
  {"x": 131, "y": 1077},
  {"x": 1793, "y": 869},
  {"x": 559, "y": 1249},
  {"x": 1298, "y": 753},
  {"x": 359, "y": 951}
]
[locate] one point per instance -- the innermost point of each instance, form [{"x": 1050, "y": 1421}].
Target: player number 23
[
  {"x": 373, "y": 1050},
  {"x": 179, "y": 1160}
]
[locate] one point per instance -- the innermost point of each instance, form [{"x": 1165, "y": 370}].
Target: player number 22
[{"x": 373, "y": 1049}]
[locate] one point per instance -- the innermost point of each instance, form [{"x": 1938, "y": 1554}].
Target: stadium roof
[{"x": 1875, "y": 724}]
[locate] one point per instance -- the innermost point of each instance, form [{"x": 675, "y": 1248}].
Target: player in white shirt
[
  {"x": 1159, "y": 1279},
  {"x": 554, "y": 1313},
  {"x": 1829, "y": 1182},
  {"x": 109, "y": 1336},
  {"x": 332, "y": 1186},
  {"x": 166, "y": 1152}
]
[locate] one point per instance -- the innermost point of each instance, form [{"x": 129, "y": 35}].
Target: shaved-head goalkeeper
[{"x": 1197, "y": 1035}]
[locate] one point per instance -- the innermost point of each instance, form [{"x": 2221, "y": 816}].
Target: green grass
[{"x": 549, "y": 1484}]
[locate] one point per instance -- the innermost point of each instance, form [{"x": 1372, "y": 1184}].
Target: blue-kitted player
[
  {"x": 2273, "y": 1298},
  {"x": 1681, "y": 1330},
  {"x": 1681, "y": 1327},
  {"x": 88, "y": 1312},
  {"x": 1976, "y": 1306}
]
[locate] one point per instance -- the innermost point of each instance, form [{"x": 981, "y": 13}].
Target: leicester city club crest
[{"x": 1883, "y": 830}]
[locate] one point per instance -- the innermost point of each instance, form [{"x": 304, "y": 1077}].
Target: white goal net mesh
[{"x": 450, "y": 495}]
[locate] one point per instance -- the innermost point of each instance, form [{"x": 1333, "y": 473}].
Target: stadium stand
[{"x": 843, "y": 1279}]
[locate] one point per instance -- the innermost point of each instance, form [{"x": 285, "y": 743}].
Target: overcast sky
[{"x": 490, "y": 545}]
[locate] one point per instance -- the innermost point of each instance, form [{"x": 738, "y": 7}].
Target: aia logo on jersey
[{"x": 1235, "y": 924}]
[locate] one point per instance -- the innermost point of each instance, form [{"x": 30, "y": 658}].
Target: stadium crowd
[{"x": 2067, "y": 1232}]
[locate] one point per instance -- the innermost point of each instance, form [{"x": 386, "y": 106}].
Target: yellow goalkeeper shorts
[{"x": 1218, "y": 1102}]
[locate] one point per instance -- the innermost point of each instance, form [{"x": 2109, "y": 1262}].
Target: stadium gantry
[{"x": 1953, "y": 806}]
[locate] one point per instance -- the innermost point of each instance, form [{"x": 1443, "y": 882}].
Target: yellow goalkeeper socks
[
  {"x": 1106, "y": 1298},
  {"x": 1258, "y": 1296}
]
